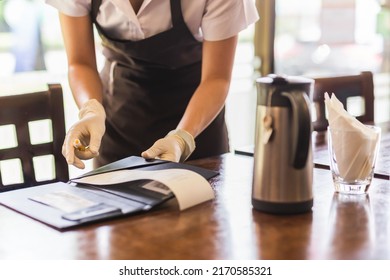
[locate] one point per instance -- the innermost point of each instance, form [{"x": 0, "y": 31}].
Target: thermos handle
[{"x": 301, "y": 128}]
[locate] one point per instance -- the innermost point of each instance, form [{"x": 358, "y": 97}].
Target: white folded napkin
[{"x": 354, "y": 151}]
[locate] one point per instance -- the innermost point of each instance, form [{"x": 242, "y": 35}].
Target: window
[{"x": 332, "y": 37}]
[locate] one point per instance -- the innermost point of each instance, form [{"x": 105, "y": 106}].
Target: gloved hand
[
  {"x": 177, "y": 146},
  {"x": 83, "y": 139}
]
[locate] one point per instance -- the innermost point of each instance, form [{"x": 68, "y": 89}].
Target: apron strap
[{"x": 176, "y": 13}]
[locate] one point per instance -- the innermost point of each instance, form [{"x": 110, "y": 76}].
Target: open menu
[{"x": 128, "y": 186}]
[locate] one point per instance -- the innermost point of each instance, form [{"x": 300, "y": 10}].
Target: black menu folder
[{"x": 108, "y": 201}]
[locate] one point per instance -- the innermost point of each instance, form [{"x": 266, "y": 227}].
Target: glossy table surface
[{"x": 338, "y": 227}]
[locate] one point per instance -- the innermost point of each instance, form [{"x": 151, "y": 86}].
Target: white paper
[
  {"x": 353, "y": 142},
  {"x": 189, "y": 187},
  {"x": 64, "y": 201}
]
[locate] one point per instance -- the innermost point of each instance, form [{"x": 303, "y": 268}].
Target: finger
[
  {"x": 86, "y": 154},
  {"x": 78, "y": 163},
  {"x": 94, "y": 143},
  {"x": 152, "y": 152},
  {"x": 169, "y": 157},
  {"x": 148, "y": 154},
  {"x": 68, "y": 149}
]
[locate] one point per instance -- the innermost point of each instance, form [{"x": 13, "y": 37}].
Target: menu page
[{"x": 189, "y": 187}]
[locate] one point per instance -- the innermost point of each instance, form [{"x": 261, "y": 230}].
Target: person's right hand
[{"x": 83, "y": 139}]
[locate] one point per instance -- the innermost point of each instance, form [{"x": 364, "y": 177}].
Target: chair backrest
[
  {"x": 32, "y": 129},
  {"x": 344, "y": 87}
]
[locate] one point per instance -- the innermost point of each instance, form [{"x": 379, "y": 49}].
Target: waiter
[{"x": 162, "y": 90}]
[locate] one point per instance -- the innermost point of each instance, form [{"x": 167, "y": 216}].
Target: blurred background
[{"x": 293, "y": 37}]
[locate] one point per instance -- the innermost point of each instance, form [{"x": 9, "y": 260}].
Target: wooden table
[{"x": 339, "y": 227}]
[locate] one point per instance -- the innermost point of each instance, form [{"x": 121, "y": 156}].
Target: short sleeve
[
  {"x": 74, "y": 8},
  {"x": 226, "y": 18}
]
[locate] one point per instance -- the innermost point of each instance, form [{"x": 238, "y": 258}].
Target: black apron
[{"x": 147, "y": 86}]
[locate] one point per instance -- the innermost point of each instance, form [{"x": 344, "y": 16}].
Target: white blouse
[{"x": 211, "y": 20}]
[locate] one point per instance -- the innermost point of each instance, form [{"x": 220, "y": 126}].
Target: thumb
[{"x": 152, "y": 152}]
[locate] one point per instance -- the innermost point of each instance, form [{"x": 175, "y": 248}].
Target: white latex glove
[
  {"x": 83, "y": 139},
  {"x": 177, "y": 146}
]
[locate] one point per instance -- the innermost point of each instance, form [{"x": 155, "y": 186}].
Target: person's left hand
[{"x": 176, "y": 146}]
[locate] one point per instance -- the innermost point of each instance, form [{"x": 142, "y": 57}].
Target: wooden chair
[
  {"x": 32, "y": 129},
  {"x": 344, "y": 87}
]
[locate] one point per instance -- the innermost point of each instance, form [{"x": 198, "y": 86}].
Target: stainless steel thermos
[{"x": 283, "y": 165}]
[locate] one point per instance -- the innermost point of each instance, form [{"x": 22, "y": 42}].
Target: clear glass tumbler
[{"x": 352, "y": 158}]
